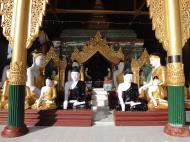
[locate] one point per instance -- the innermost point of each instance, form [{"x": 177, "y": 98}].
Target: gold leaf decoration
[
  {"x": 8, "y": 11},
  {"x": 157, "y": 14},
  {"x": 38, "y": 8},
  {"x": 185, "y": 20},
  {"x": 97, "y": 44},
  {"x": 136, "y": 64},
  {"x": 18, "y": 73},
  {"x": 175, "y": 74},
  {"x": 143, "y": 59},
  {"x": 7, "y": 16}
]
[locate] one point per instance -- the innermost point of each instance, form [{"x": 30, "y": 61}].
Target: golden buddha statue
[
  {"x": 154, "y": 91},
  {"x": 35, "y": 78},
  {"x": 47, "y": 98},
  {"x": 29, "y": 98},
  {"x": 5, "y": 93}
]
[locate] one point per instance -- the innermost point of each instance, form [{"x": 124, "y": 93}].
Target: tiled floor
[
  {"x": 95, "y": 134},
  {"x": 103, "y": 131}
]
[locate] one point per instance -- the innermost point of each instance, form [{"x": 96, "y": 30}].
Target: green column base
[
  {"x": 176, "y": 112},
  {"x": 16, "y": 126}
]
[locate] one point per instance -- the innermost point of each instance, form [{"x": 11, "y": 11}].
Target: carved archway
[
  {"x": 97, "y": 44},
  {"x": 60, "y": 64}
]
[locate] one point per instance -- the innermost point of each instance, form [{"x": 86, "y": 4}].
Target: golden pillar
[
  {"x": 175, "y": 73},
  {"x": 21, "y": 20},
  {"x": 16, "y": 126}
]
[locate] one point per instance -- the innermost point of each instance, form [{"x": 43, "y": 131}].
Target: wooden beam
[
  {"x": 137, "y": 13},
  {"x": 98, "y": 11}
]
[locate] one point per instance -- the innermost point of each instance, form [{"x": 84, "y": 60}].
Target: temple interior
[{"x": 106, "y": 43}]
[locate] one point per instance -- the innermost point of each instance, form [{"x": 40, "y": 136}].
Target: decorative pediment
[
  {"x": 136, "y": 64},
  {"x": 52, "y": 55},
  {"x": 143, "y": 59},
  {"x": 97, "y": 44}
]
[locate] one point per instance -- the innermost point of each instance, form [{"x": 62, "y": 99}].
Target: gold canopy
[{"x": 97, "y": 44}]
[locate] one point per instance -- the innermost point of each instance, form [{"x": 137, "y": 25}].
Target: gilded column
[
  {"x": 16, "y": 126},
  {"x": 175, "y": 73}
]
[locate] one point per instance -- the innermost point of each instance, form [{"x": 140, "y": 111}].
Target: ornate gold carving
[
  {"x": 7, "y": 16},
  {"x": 18, "y": 73},
  {"x": 97, "y": 44},
  {"x": 157, "y": 13},
  {"x": 185, "y": 20},
  {"x": 38, "y": 8},
  {"x": 136, "y": 64},
  {"x": 175, "y": 75},
  {"x": 37, "y": 11},
  {"x": 51, "y": 55},
  {"x": 61, "y": 65}
]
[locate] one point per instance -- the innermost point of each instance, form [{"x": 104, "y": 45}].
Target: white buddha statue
[
  {"x": 154, "y": 91},
  {"x": 75, "y": 96},
  {"x": 35, "y": 78},
  {"x": 128, "y": 94},
  {"x": 47, "y": 97},
  {"x": 118, "y": 74},
  {"x": 74, "y": 64}
]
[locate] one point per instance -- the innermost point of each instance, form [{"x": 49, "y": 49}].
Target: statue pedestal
[
  {"x": 77, "y": 118},
  {"x": 146, "y": 118}
]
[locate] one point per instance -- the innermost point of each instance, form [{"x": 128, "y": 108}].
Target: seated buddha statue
[
  {"x": 118, "y": 74},
  {"x": 156, "y": 95},
  {"x": 47, "y": 97},
  {"x": 159, "y": 90},
  {"x": 128, "y": 94},
  {"x": 75, "y": 92},
  {"x": 35, "y": 78}
]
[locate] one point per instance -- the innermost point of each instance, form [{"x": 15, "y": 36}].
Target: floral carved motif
[
  {"x": 157, "y": 13},
  {"x": 185, "y": 20},
  {"x": 18, "y": 73},
  {"x": 8, "y": 11},
  {"x": 175, "y": 75}
]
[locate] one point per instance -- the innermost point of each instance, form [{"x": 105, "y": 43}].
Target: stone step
[{"x": 97, "y": 123}]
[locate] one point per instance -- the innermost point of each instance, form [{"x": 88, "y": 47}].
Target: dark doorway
[{"x": 97, "y": 68}]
